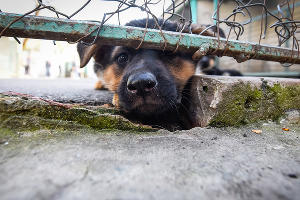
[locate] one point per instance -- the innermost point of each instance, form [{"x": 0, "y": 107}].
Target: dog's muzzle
[{"x": 141, "y": 83}]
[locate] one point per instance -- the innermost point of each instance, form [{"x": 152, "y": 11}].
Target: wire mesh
[{"x": 285, "y": 27}]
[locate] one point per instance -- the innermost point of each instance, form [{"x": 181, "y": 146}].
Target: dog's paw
[
  {"x": 99, "y": 86},
  {"x": 108, "y": 106},
  {"x": 200, "y": 29},
  {"x": 115, "y": 101}
]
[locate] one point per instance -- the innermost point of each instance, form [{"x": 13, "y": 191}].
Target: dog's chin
[
  {"x": 145, "y": 109},
  {"x": 148, "y": 109},
  {"x": 151, "y": 104}
]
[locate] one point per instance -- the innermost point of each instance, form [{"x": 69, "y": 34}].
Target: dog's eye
[{"x": 122, "y": 59}]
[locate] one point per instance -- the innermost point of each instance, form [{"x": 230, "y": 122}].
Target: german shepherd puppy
[
  {"x": 207, "y": 66},
  {"x": 145, "y": 82}
]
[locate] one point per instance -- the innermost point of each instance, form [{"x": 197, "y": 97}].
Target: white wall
[{"x": 9, "y": 58}]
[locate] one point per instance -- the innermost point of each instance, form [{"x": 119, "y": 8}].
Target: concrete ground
[
  {"x": 201, "y": 163},
  {"x": 61, "y": 90}
]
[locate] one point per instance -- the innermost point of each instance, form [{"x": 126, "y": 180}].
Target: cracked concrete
[{"x": 200, "y": 163}]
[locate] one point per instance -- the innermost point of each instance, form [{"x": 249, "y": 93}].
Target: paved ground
[
  {"x": 195, "y": 164},
  {"x": 201, "y": 163},
  {"x": 61, "y": 90}
]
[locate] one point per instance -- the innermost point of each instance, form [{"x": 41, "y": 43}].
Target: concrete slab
[
  {"x": 230, "y": 101},
  {"x": 201, "y": 163},
  {"x": 24, "y": 112}
]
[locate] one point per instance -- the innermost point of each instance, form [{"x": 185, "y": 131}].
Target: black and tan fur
[
  {"x": 208, "y": 66},
  {"x": 167, "y": 73}
]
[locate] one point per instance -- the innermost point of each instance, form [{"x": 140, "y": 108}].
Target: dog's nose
[{"x": 141, "y": 83}]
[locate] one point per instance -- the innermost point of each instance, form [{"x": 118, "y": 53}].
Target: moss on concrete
[
  {"x": 30, "y": 113},
  {"x": 32, "y": 123},
  {"x": 6, "y": 134},
  {"x": 245, "y": 104}
]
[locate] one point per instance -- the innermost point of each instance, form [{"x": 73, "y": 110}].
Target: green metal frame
[
  {"x": 216, "y": 2},
  {"x": 194, "y": 10},
  {"x": 72, "y": 30}
]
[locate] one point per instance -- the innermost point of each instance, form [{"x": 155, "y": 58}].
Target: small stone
[
  {"x": 214, "y": 138},
  {"x": 257, "y": 131},
  {"x": 4, "y": 142},
  {"x": 278, "y": 147},
  {"x": 292, "y": 175},
  {"x": 293, "y": 116}
]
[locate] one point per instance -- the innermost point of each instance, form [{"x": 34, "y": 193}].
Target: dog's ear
[
  {"x": 85, "y": 53},
  {"x": 98, "y": 51}
]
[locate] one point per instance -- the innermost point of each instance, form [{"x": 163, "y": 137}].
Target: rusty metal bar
[{"x": 72, "y": 30}]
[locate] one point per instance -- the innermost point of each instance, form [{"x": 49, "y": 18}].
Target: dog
[
  {"x": 207, "y": 63},
  {"x": 145, "y": 82},
  {"x": 207, "y": 67}
]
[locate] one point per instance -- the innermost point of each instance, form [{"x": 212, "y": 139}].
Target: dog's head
[
  {"x": 146, "y": 81},
  {"x": 207, "y": 62}
]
